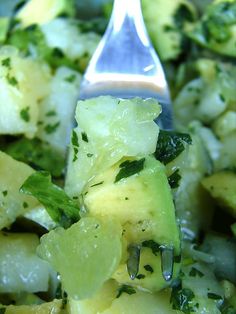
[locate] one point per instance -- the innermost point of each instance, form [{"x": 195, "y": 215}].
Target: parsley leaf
[
  {"x": 174, "y": 179},
  {"x": 195, "y": 272},
  {"x": 24, "y": 114},
  {"x": 51, "y": 128},
  {"x": 12, "y": 80},
  {"x": 170, "y": 144},
  {"x": 125, "y": 289},
  {"x": 36, "y": 153},
  {"x": 155, "y": 247},
  {"x": 182, "y": 298},
  {"x": 58, "y": 204},
  {"x": 75, "y": 143},
  {"x": 6, "y": 62},
  {"x": 129, "y": 168}
]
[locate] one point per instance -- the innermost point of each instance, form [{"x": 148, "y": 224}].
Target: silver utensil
[{"x": 125, "y": 63}]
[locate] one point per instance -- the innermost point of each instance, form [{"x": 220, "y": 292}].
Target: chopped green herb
[
  {"x": 75, "y": 143},
  {"x": 74, "y": 139},
  {"x": 84, "y": 137},
  {"x": 96, "y": 184},
  {"x": 59, "y": 205},
  {"x": 129, "y": 168},
  {"x": 51, "y": 128},
  {"x": 89, "y": 155},
  {"x": 25, "y": 205},
  {"x": 170, "y": 144},
  {"x": 222, "y": 98},
  {"x": 37, "y": 154},
  {"x": 75, "y": 154},
  {"x": 6, "y": 62},
  {"x": 125, "y": 289},
  {"x": 71, "y": 78},
  {"x": 182, "y": 15},
  {"x": 140, "y": 276},
  {"x": 177, "y": 259},
  {"x": 4, "y": 193},
  {"x": 51, "y": 113},
  {"x": 195, "y": 272},
  {"x": 148, "y": 268},
  {"x": 24, "y": 114},
  {"x": 12, "y": 80},
  {"x": 174, "y": 179},
  {"x": 182, "y": 299},
  {"x": 155, "y": 247},
  {"x": 214, "y": 296}
]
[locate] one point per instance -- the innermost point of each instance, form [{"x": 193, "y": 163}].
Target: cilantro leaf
[
  {"x": 58, "y": 204},
  {"x": 36, "y": 153},
  {"x": 182, "y": 298},
  {"x": 174, "y": 178},
  {"x": 24, "y": 114},
  {"x": 125, "y": 289},
  {"x": 129, "y": 168},
  {"x": 154, "y": 246},
  {"x": 170, "y": 144}
]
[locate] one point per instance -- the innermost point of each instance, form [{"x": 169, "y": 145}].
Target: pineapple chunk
[
  {"x": 21, "y": 270},
  {"x": 12, "y": 203},
  {"x": 54, "y": 307},
  {"x": 108, "y": 130},
  {"x": 23, "y": 83}
]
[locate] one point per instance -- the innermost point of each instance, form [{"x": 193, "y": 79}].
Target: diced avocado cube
[{"x": 141, "y": 200}]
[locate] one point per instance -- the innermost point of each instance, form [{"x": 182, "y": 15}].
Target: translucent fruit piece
[{"x": 85, "y": 254}]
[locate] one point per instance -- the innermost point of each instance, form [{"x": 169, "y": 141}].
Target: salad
[{"x": 110, "y": 214}]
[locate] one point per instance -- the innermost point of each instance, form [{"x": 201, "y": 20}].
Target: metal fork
[{"x": 125, "y": 63}]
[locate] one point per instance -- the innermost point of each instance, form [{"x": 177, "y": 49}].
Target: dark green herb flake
[
  {"x": 4, "y": 193},
  {"x": 12, "y": 80},
  {"x": 195, "y": 272},
  {"x": 213, "y": 296},
  {"x": 25, "y": 205},
  {"x": 37, "y": 154},
  {"x": 155, "y": 247},
  {"x": 129, "y": 168},
  {"x": 125, "y": 289},
  {"x": 96, "y": 184},
  {"x": 174, "y": 179},
  {"x": 6, "y": 62},
  {"x": 84, "y": 137},
  {"x": 148, "y": 268},
  {"x": 140, "y": 276},
  {"x": 51, "y": 128},
  {"x": 51, "y": 113},
  {"x": 71, "y": 78},
  {"x": 170, "y": 144},
  {"x": 24, "y": 114},
  {"x": 182, "y": 298}
]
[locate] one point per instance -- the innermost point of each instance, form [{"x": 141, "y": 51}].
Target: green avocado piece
[
  {"x": 222, "y": 187},
  {"x": 136, "y": 193}
]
